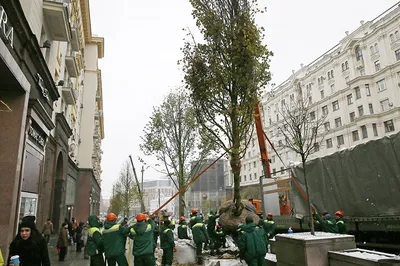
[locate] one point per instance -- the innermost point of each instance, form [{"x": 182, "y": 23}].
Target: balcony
[
  {"x": 75, "y": 45},
  {"x": 57, "y": 19},
  {"x": 72, "y": 66},
  {"x": 69, "y": 94}
]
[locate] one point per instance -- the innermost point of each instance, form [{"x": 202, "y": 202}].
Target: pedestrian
[
  {"x": 29, "y": 245},
  {"x": 269, "y": 227},
  {"x": 252, "y": 244},
  {"x": 327, "y": 222},
  {"x": 62, "y": 242},
  {"x": 94, "y": 246},
  {"x": 156, "y": 230},
  {"x": 47, "y": 230},
  {"x": 211, "y": 223},
  {"x": 85, "y": 235},
  {"x": 74, "y": 227},
  {"x": 114, "y": 241},
  {"x": 69, "y": 224},
  {"x": 142, "y": 234},
  {"x": 167, "y": 243},
  {"x": 340, "y": 222},
  {"x": 193, "y": 218},
  {"x": 200, "y": 236},
  {"x": 79, "y": 241},
  {"x": 182, "y": 229}
]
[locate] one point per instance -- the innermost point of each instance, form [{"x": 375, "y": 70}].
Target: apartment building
[
  {"x": 355, "y": 86},
  {"x": 44, "y": 52}
]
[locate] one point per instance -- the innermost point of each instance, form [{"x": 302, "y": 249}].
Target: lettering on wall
[
  {"x": 45, "y": 92},
  {"x": 6, "y": 31},
  {"x": 36, "y": 136}
]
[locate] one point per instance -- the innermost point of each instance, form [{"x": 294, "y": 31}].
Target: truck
[{"x": 362, "y": 181}]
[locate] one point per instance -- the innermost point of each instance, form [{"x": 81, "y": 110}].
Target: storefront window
[{"x": 28, "y": 205}]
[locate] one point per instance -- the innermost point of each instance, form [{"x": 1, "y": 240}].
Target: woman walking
[{"x": 62, "y": 242}]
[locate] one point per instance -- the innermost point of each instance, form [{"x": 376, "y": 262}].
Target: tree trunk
[
  {"x": 235, "y": 165},
  {"x": 303, "y": 160},
  {"x": 181, "y": 204}
]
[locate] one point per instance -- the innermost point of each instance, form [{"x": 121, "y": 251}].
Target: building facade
[
  {"x": 43, "y": 48},
  {"x": 355, "y": 87}
]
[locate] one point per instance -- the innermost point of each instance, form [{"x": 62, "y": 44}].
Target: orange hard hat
[
  {"x": 111, "y": 217},
  {"x": 339, "y": 213},
  {"x": 140, "y": 217},
  {"x": 194, "y": 211},
  {"x": 181, "y": 218},
  {"x": 269, "y": 214}
]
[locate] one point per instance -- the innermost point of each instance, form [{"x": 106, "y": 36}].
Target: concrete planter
[
  {"x": 361, "y": 257},
  {"x": 305, "y": 249}
]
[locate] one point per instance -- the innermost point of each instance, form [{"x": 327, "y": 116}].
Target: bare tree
[{"x": 301, "y": 127}]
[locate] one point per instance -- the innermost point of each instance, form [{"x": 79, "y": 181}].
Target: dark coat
[
  {"x": 62, "y": 241},
  {"x": 32, "y": 252}
]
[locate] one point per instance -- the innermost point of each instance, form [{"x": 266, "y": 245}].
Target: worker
[
  {"x": 142, "y": 234},
  {"x": 156, "y": 230},
  {"x": 167, "y": 243},
  {"x": 182, "y": 229},
  {"x": 193, "y": 218},
  {"x": 114, "y": 241},
  {"x": 200, "y": 236},
  {"x": 340, "y": 222},
  {"x": 173, "y": 224},
  {"x": 252, "y": 244},
  {"x": 94, "y": 245},
  {"x": 327, "y": 222},
  {"x": 219, "y": 241},
  {"x": 211, "y": 223},
  {"x": 269, "y": 226},
  {"x": 317, "y": 224}
]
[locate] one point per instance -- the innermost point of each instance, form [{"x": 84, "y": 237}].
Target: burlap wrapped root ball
[{"x": 229, "y": 221}]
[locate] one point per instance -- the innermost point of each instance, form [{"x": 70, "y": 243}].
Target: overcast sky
[{"x": 142, "y": 46}]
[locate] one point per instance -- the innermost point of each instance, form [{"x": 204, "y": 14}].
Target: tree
[
  {"x": 225, "y": 74},
  {"x": 172, "y": 136},
  {"x": 124, "y": 191},
  {"x": 301, "y": 128},
  {"x": 251, "y": 192}
]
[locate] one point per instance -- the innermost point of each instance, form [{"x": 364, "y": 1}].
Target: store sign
[
  {"x": 45, "y": 92},
  {"x": 36, "y": 136},
  {"x": 6, "y": 31}
]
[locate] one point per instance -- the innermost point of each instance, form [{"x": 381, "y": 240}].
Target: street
[{"x": 73, "y": 258}]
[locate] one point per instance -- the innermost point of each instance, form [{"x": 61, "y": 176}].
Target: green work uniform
[
  {"x": 167, "y": 244},
  {"x": 200, "y": 236},
  {"x": 114, "y": 243},
  {"x": 193, "y": 220},
  {"x": 142, "y": 234},
  {"x": 341, "y": 226},
  {"x": 269, "y": 228},
  {"x": 182, "y": 230},
  {"x": 252, "y": 245},
  {"x": 94, "y": 245},
  {"x": 328, "y": 225}
]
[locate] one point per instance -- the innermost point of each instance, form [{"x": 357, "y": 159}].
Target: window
[
  {"x": 346, "y": 80},
  {"x": 312, "y": 115},
  {"x": 389, "y": 126},
  {"x": 349, "y": 99},
  {"x": 291, "y": 97},
  {"x": 360, "y": 110},
  {"x": 270, "y": 121},
  {"x": 392, "y": 38},
  {"x": 396, "y": 35},
  {"x": 381, "y": 85},
  {"x": 385, "y": 105},
  {"x": 322, "y": 94},
  {"x": 340, "y": 140},
  {"x": 245, "y": 178},
  {"x": 367, "y": 91},
  {"x": 282, "y": 172},
  {"x": 316, "y": 146},
  {"x": 274, "y": 171},
  {"x": 327, "y": 126},
  {"x": 283, "y": 103},
  {"x": 273, "y": 158},
  {"x": 329, "y": 143},
  {"x": 355, "y": 135},
  {"x": 244, "y": 167},
  {"x": 249, "y": 166},
  {"x": 371, "y": 109},
  {"x": 358, "y": 92},
  {"x": 359, "y": 55},
  {"x": 377, "y": 65},
  {"x": 364, "y": 132},
  {"x": 371, "y": 49},
  {"x": 280, "y": 143},
  {"x": 330, "y": 74},
  {"x": 250, "y": 176},
  {"x": 352, "y": 116},
  {"x": 335, "y": 105},
  {"x": 325, "y": 110},
  {"x": 254, "y": 164},
  {"x": 345, "y": 66},
  {"x": 374, "y": 48},
  {"x": 362, "y": 72},
  {"x": 374, "y": 129},
  {"x": 338, "y": 122},
  {"x": 277, "y": 117},
  {"x": 310, "y": 100},
  {"x": 397, "y": 52},
  {"x": 333, "y": 88}
]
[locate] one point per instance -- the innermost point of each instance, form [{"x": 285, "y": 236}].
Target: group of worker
[{"x": 330, "y": 224}]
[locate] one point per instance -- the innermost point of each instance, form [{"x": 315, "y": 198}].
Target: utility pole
[{"x": 142, "y": 209}]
